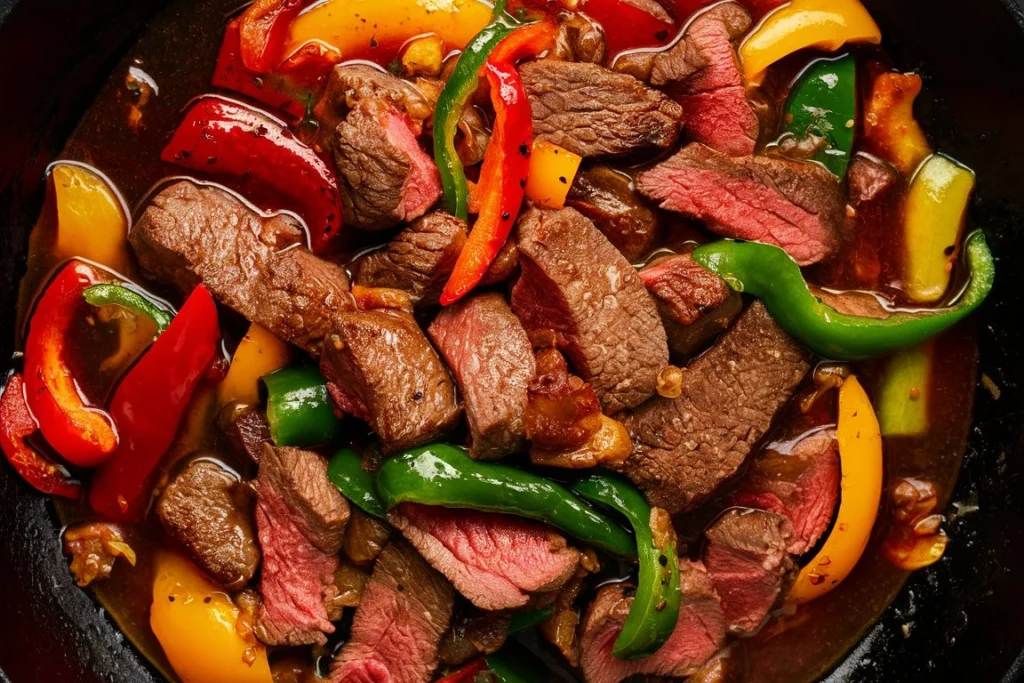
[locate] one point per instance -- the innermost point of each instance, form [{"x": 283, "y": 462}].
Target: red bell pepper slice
[
  {"x": 263, "y": 29},
  {"x": 627, "y": 27},
  {"x": 528, "y": 41},
  {"x": 466, "y": 674},
  {"x": 149, "y": 404},
  {"x": 226, "y": 138},
  {"x": 17, "y": 424},
  {"x": 80, "y": 433}
]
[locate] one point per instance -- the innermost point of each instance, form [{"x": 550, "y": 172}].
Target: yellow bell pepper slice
[
  {"x": 352, "y": 26},
  {"x": 934, "y": 213},
  {"x": 890, "y": 128},
  {"x": 196, "y": 624},
  {"x": 860, "y": 454},
  {"x": 552, "y": 170},
  {"x": 258, "y": 354},
  {"x": 92, "y": 221},
  {"x": 904, "y": 396},
  {"x": 820, "y": 24}
]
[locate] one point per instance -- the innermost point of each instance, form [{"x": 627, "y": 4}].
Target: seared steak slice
[
  {"x": 576, "y": 284},
  {"x": 301, "y": 521},
  {"x": 255, "y": 264},
  {"x": 381, "y": 368},
  {"x": 350, "y": 83},
  {"x": 747, "y": 559},
  {"x": 609, "y": 198},
  {"x": 698, "y": 635},
  {"x": 792, "y": 204},
  {"x": 704, "y": 73},
  {"x": 398, "y": 626},
  {"x": 246, "y": 430},
  {"x": 807, "y": 498},
  {"x": 695, "y": 304},
  {"x": 869, "y": 179},
  {"x": 592, "y": 111},
  {"x": 685, "y": 447},
  {"x": 418, "y": 260},
  {"x": 496, "y": 561},
  {"x": 490, "y": 355},
  {"x": 204, "y": 508}
]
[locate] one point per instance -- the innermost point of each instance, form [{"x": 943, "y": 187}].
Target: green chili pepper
[
  {"x": 298, "y": 408},
  {"x": 823, "y": 103},
  {"x": 513, "y": 663},
  {"x": 107, "y": 294},
  {"x": 457, "y": 91},
  {"x": 346, "y": 472},
  {"x": 768, "y": 273},
  {"x": 655, "y": 610},
  {"x": 522, "y": 621},
  {"x": 444, "y": 475}
]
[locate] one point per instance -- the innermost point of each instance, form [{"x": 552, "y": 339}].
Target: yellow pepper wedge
[
  {"x": 92, "y": 221},
  {"x": 351, "y": 26},
  {"x": 904, "y": 396},
  {"x": 860, "y": 453},
  {"x": 258, "y": 354},
  {"x": 196, "y": 624},
  {"x": 820, "y": 24},
  {"x": 934, "y": 213},
  {"x": 890, "y": 128},
  {"x": 552, "y": 170}
]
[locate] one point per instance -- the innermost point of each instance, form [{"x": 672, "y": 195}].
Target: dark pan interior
[{"x": 963, "y": 615}]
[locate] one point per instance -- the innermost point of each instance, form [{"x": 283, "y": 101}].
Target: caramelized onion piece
[{"x": 94, "y": 547}]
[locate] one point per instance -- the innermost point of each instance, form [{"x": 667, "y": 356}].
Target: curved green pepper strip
[
  {"x": 768, "y": 273},
  {"x": 298, "y": 407},
  {"x": 347, "y": 474},
  {"x": 444, "y": 475},
  {"x": 655, "y": 610},
  {"x": 107, "y": 294},
  {"x": 457, "y": 91}
]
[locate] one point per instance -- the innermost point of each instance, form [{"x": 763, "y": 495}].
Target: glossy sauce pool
[{"x": 177, "y": 55}]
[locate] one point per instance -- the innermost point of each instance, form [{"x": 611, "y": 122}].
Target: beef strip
[
  {"x": 695, "y": 304},
  {"x": 747, "y": 558},
  {"x": 399, "y": 623},
  {"x": 301, "y": 521},
  {"x": 609, "y": 198},
  {"x": 577, "y": 284},
  {"x": 351, "y": 83},
  {"x": 418, "y": 260},
  {"x": 246, "y": 429},
  {"x": 699, "y": 632},
  {"x": 381, "y": 368},
  {"x": 496, "y": 561},
  {"x": 207, "y": 510},
  {"x": 685, "y": 447},
  {"x": 802, "y": 486},
  {"x": 704, "y": 74},
  {"x": 869, "y": 179},
  {"x": 593, "y": 111},
  {"x": 490, "y": 355},
  {"x": 255, "y": 264},
  {"x": 792, "y": 204}
]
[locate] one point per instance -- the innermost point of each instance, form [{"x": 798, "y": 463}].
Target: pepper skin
[
  {"x": 347, "y": 474},
  {"x": 108, "y": 294},
  {"x": 299, "y": 409}
]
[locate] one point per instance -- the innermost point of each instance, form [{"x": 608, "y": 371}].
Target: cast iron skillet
[{"x": 965, "y": 616}]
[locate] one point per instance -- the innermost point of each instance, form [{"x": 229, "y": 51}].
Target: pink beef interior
[{"x": 423, "y": 186}]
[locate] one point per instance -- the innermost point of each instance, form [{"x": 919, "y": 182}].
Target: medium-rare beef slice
[
  {"x": 699, "y": 632},
  {"x": 204, "y": 508},
  {"x": 398, "y": 626},
  {"x": 490, "y": 355},
  {"x": 351, "y": 83},
  {"x": 246, "y": 429},
  {"x": 610, "y": 199},
  {"x": 577, "y": 284},
  {"x": 747, "y": 558},
  {"x": 301, "y": 520},
  {"x": 418, "y": 260},
  {"x": 592, "y": 111},
  {"x": 685, "y": 447},
  {"x": 695, "y": 304},
  {"x": 385, "y": 176},
  {"x": 496, "y": 561},
  {"x": 257, "y": 265},
  {"x": 807, "y": 499},
  {"x": 792, "y": 204},
  {"x": 381, "y": 368},
  {"x": 704, "y": 76}
]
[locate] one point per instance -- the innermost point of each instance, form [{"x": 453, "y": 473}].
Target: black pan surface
[{"x": 960, "y": 620}]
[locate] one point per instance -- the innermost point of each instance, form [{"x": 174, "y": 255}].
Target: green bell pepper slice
[
  {"x": 348, "y": 475},
  {"x": 823, "y": 103},
  {"x": 107, "y": 294},
  {"x": 299, "y": 409},
  {"x": 446, "y": 476},
  {"x": 655, "y": 610},
  {"x": 767, "y": 272}
]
